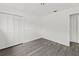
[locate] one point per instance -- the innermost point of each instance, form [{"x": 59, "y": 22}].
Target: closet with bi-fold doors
[
  {"x": 10, "y": 30},
  {"x": 74, "y": 28}
]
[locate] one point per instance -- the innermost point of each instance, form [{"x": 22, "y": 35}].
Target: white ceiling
[{"x": 40, "y": 10}]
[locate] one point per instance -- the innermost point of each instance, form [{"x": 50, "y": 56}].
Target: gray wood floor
[{"x": 41, "y": 47}]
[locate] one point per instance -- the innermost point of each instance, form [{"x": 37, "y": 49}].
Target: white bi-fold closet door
[
  {"x": 74, "y": 28},
  {"x": 10, "y": 30}
]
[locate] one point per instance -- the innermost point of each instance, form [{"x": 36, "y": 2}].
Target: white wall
[
  {"x": 31, "y": 28},
  {"x": 28, "y": 27},
  {"x": 56, "y": 26}
]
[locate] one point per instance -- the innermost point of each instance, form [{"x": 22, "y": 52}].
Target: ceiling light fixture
[{"x": 42, "y": 3}]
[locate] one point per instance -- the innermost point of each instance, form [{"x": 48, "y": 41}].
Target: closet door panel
[
  {"x": 78, "y": 27},
  {"x": 74, "y": 28},
  {"x": 14, "y": 30},
  {"x": 3, "y": 31},
  {"x": 17, "y": 29},
  {"x": 10, "y": 28}
]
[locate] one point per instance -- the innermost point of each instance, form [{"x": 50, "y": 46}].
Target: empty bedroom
[{"x": 39, "y": 29}]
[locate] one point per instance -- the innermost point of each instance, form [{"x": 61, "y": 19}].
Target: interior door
[{"x": 74, "y": 28}]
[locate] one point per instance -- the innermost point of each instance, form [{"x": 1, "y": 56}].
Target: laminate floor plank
[{"x": 41, "y": 47}]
